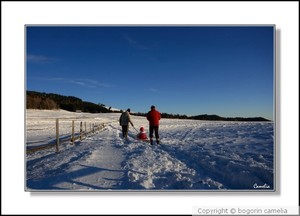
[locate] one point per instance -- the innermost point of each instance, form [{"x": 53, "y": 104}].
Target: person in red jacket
[{"x": 153, "y": 117}]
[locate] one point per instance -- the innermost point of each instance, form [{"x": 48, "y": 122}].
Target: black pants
[
  {"x": 153, "y": 129},
  {"x": 125, "y": 130}
]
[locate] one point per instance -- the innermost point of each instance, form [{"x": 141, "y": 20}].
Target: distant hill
[
  {"x": 218, "y": 118},
  {"x": 38, "y": 100},
  {"x": 206, "y": 117}
]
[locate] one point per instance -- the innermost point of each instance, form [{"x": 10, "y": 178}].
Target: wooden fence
[{"x": 83, "y": 133}]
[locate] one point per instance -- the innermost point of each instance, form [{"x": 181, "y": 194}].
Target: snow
[{"x": 193, "y": 155}]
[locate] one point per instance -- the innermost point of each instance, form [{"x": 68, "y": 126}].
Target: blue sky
[{"x": 192, "y": 70}]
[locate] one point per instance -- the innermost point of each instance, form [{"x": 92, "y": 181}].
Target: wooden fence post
[
  {"x": 73, "y": 138},
  {"x": 85, "y": 134},
  {"x": 57, "y": 135},
  {"x": 80, "y": 136}
]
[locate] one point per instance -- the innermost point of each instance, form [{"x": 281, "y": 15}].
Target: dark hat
[
  {"x": 152, "y": 107},
  {"x": 128, "y": 110}
]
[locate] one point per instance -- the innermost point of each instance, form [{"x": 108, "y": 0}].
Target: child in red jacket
[{"x": 142, "y": 135}]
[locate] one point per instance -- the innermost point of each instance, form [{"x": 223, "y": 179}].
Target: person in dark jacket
[
  {"x": 124, "y": 122},
  {"x": 153, "y": 117}
]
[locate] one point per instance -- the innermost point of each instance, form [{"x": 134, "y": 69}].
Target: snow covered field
[{"x": 194, "y": 155}]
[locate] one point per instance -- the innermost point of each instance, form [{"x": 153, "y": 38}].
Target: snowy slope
[{"x": 194, "y": 155}]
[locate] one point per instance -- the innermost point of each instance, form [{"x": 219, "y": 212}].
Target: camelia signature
[{"x": 265, "y": 186}]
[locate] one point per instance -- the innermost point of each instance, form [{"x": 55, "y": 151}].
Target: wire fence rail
[{"x": 84, "y": 131}]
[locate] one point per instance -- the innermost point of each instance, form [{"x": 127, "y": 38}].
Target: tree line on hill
[
  {"x": 219, "y": 118},
  {"x": 206, "y": 117},
  {"x": 38, "y": 100}
]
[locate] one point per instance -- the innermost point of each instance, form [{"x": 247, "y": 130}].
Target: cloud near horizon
[
  {"x": 39, "y": 58},
  {"x": 82, "y": 82}
]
